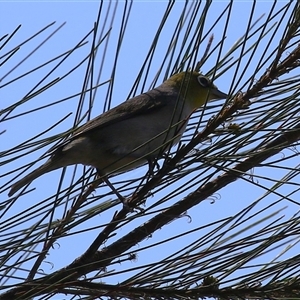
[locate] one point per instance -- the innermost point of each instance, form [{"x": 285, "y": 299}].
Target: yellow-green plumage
[
  {"x": 189, "y": 87},
  {"x": 135, "y": 131}
]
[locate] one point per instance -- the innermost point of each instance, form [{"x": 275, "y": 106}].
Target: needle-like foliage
[{"x": 171, "y": 240}]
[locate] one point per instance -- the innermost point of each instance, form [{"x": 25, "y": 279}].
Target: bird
[{"x": 134, "y": 132}]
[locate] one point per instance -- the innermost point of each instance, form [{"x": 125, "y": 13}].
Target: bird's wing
[{"x": 141, "y": 104}]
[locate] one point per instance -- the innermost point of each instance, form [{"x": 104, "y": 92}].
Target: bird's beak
[{"x": 216, "y": 94}]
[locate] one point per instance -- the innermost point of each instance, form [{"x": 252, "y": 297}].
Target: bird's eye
[{"x": 203, "y": 81}]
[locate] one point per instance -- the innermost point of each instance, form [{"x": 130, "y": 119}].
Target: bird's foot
[{"x": 128, "y": 205}]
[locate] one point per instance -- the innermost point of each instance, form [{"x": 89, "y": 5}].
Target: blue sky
[{"x": 79, "y": 18}]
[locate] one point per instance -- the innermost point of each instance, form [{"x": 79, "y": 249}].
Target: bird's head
[{"x": 195, "y": 88}]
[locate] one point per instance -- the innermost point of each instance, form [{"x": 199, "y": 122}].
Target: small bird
[{"x": 134, "y": 132}]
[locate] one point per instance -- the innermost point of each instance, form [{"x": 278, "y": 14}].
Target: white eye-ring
[{"x": 203, "y": 81}]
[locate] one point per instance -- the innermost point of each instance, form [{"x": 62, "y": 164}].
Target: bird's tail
[{"x": 48, "y": 166}]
